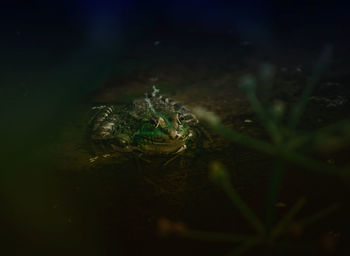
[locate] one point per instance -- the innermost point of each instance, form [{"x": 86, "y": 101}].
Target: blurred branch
[
  {"x": 282, "y": 224},
  {"x": 220, "y": 175},
  {"x": 274, "y": 189},
  {"x": 320, "y": 215},
  {"x": 282, "y": 151},
  {"x": 298, "y": 110}
]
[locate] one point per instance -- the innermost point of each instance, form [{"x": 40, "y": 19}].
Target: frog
[{"x": 153, "y": 125}]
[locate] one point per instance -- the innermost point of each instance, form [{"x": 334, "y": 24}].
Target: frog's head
[
  {"x": 163, "y": 135},
  {"x": 170, "y": 126},
  {"x": 165, "y": 124}
]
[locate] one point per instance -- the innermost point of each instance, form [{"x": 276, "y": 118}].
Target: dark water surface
[{"x": 55, "y": 201}]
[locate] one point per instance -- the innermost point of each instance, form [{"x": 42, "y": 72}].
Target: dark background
[
  {"x": 54, "y": 55},
  {"x": 101, "y": 22}
]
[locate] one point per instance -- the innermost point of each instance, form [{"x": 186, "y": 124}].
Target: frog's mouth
[
  {"x": 158, "y": 142},
  {"x": 158, "y": 148}
]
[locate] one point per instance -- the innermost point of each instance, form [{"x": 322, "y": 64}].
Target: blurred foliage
[{"x": 286, "y": 144}]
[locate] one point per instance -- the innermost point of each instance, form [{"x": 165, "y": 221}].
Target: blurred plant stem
[
  {"x": 319, "y": 68},
  {"x": 273, "y": 192},
  {"x": 277, "y": 151},
  {"x": 321, "y": 214},
  {"x": 221, "y": 176},
  {"x": 248, "y": 84},
  {"x": 282, "y": 224}
]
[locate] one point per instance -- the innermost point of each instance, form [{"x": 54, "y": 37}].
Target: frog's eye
[
  {"x": 180, "y": 118},
  {"x": 154, "y": 121}
]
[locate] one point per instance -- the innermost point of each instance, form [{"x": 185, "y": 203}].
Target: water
[{"x": 54, "y": 200}]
